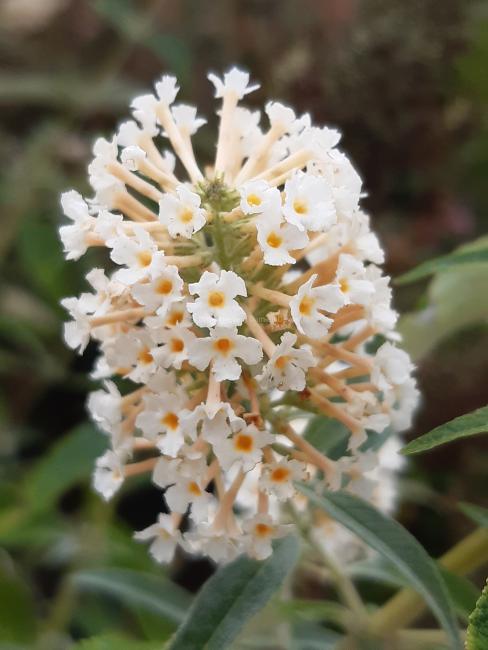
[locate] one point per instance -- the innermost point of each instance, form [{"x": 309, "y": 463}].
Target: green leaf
[
  {"x": 232, "y": 596},
  {"x": 116, "y": 642},
  {"x": 66, "y": 463},
  {"x": 134, "y": 589},
  {"x": 441, "y": 263},
  {"x": 462, "y": 591},
  {"x": 313, "y": 610},
  {"x": 461, "y": 427},
  {"x": 327, "y": 435},
  {"x": 478, "y": 514},
  {"x": 17, "y": 613},
  {"x": 477, "y": 635},
  {"x": 390, "y": 539}
]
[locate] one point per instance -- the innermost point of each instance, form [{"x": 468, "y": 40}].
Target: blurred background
[{"x": 406, "y": 82}]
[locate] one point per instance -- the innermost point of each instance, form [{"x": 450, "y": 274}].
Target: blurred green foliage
[{"x": 406, "y": 82}]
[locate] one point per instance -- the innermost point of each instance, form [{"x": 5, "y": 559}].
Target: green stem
[
  {"x": 401, "y": 610},
  {"x": 220, "y": 242}
]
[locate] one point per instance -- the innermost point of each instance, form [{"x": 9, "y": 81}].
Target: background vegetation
[{"x": 406, "y": 82}]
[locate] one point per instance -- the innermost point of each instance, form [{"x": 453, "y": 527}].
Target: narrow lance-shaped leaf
[
  {"x": 461, "y": 427},
  {"x": 232, "y": 596},
  {"x": 477, "y": 635},
  {"x": 390, "y": 539},
  {"x": 134, "y": 589},
  {"x": 476, "y": 513},
  {"x": 442, "y": 263}
]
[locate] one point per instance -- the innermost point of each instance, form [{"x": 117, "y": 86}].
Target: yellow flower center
[
  {"x": 344, "y": 285},
  {"x": 306, "y": 304},
  {"x": 243, "y": 442},
  {"x": 263, "y": 530},
  {"x": 164, "y": 287},
  {"x": 274, "y": 240},
  {"x": 300, "y": 207},
  {"x": 216, "y": 299},
  {"x": 186, "y": 215},
  {"x": 281, "y": 362},
  {"x": 144, "y": 258},
  {"x": 174, "y": 318},
  {"x": 145, "y": 356},
  {"x": 253, "y": 199},
  {"x": 170, "y": 420},
  {"x": 193, "y": 488}
]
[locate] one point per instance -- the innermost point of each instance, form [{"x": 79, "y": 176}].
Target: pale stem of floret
[
  {"x": 229, "y": 105},
  {"x": 129, "y": 178},
  {"x": 313, "y": 455},
  {"x": 296, "y": 160},
  {"x": 121, "y": 315},
  {"x": 326, "y": 271},
  {"x": 356, "y": 339},
  {"x": 233, "y": 215},
  {"x": 132, "y": 208},
  {"x": 131, "y": 398},
  {"x": 338, "y": 386},
  {"x": 334, "y": 411},
  {"x": 351, "y": 373},
  {"x": 345, "y": 316},
  {"x": 213, "y": 394},
  {"x": 263, "y": 503},
  {"x": 183, "y": 261},
  {"x": 143, "y": 444},
  {"x": 275, "y": 297},
  {"x": 167, "y": 181},
  {"x": 339, "y": 352},
  {"x": 227, "y": 501},
  {"x": 178, "y": 143},
  {"x": 128, "y": 425},
  {"x": 256, "y": 329},
  {"x": 133, "y": 469},
  {"x": 146, "y": 143},
  {"x": 257, "y": 160},
  {"x": 254, "y": 261},
  {"x": 92, "y": 240}
]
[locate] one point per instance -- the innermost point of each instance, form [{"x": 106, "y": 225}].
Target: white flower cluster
[{"x": 235, "y": 299}]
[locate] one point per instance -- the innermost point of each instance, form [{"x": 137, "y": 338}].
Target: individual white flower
[
  {"x": 186, "y": 118},
  {"x": 105, "y": 407},
  {"x": 189, "y": 488},
  {"x": 280, "y": 115},
  {"x": 135, "y": 253},
  {"x": 219, "y": 545},
  {"x": 235, "y": 82},
  {"x": 182, "y": 214},
  {"x": 74, "y": 236},
  {"x": 308, "y": 203},
  {"x": 244, "y": 447},
  {"x": 309, "y": 303},
  {"x": 131, "y": 353},
  {"x": 278, "y": 478},
  {"x": 174, "y": 346},
  {"x": 160, "y": 422},
  {"x": 260, "y": 532},
  {"x": 107, "y": 226},
  {"x": 109, "y": 474},
  {"x": 216, "y": 304},
  {"x": 392, "y": 367},
  {"x": 277, "y": 239},
  {"x": 165, "y": 538},
  {"x": 132, "y": 157},
  {"x": 286, "y": 368},
  {"x": 350, "y": 277},
  {"x": 167, "y": 89},
  {"x": 215, "y": 421},
  {"x": 162, "y": 291},
  {"x": 221, "y": 349},
  {"x": 258, "y": 196}
]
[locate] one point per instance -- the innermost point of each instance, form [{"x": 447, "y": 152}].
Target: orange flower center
[
  {"x": 280, "y": 474},
  {"x": 223, "y": 345},
  {"x": 273, "y": 240},
  {"x": 281, "y": 362},
  {"x": 263, "y": 530},
  {"x": 194, "y": 489},
  {"x": 253, "y": 199},
  {"x": 300, "y": 207},
  {"x": 344, "y": 285},
  {"x": 186, "y": 215},
  {"x": 177, "y": 345},
  {"x": 174, "y": 318},
  {"x": 164, "y": 287},
  {"x": 244, "y": 442},
  {"x": 145, "y": 356},
  {"x": 170, "y": 420},
  {"x": 216, "y": 299},
  {"x": 145, "y": 258},
  {"x": 306, "y": 305}
]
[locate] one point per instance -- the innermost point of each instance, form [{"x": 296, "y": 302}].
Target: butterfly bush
[{"x": 237, "y": 297}]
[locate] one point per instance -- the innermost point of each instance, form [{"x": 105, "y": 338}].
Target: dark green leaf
[
  {"x": 115, "y": 642},
  {"x": 17, "y": 614},
  {"x": 232, "y": 596},
  {"x": 441, "y": 263},
  {"x": 478, "y": 514},
  {"x": 66, "y": 463},
  {"x": 153, "y": 593},
  {"x": 462, "y": 591},
  {"x": 327, "y": 435},
  {"x": 477, "y": 635},
  {"x": 395, "y": 543},
  {"x": 461, "y": 427}
]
